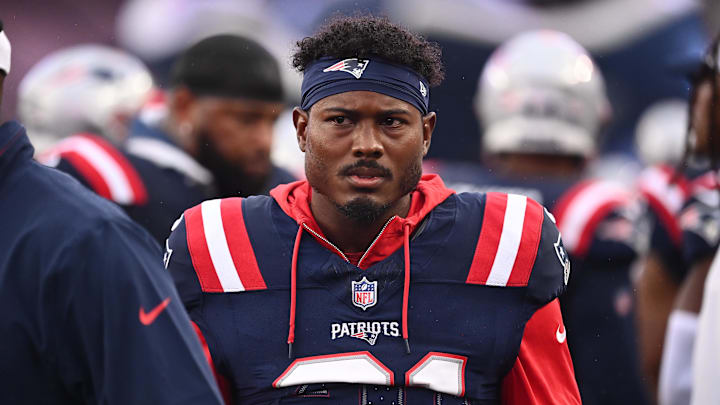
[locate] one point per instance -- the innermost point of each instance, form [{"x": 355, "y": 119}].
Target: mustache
[{"x": 370, "y": 164}]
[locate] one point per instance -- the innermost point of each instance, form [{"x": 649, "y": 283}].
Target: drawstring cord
[
  {"x": 406, "y": 287},
  {"x": 293, "y": 291}
]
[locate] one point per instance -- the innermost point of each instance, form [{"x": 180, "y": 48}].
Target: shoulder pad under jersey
[
  {"x": 700, "y": 221},
  {"x": 101, "y": 166},
  {"x": 666, "y": 192},
  {"x": 584, "y": 207},
  {"x": 219, "y": 247},
  {"x": 519, "y": 246}
]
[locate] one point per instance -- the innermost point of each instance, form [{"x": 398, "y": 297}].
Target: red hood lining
[{"x": 294, "y": 200}]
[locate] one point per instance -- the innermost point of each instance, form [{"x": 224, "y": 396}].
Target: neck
[
  {"x": 532, "y": 165},
  {"x": 348, "y": 234}
]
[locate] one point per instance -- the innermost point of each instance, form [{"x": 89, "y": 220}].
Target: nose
[{"x": 366, "y": 142}]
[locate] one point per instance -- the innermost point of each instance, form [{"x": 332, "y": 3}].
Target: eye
[
  {"x": 339, "y": 120},
  {"x": 392, "y": 122}
]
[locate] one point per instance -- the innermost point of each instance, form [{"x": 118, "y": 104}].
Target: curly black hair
[{"x": 368, "y": 36}]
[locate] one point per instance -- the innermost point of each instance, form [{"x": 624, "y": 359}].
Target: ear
[
  {"x": 182, "y": 121},
  {"x": 300, "y": 120},
  {"x": 181, "y": 102},
  {"x": 428, "y": 122}
]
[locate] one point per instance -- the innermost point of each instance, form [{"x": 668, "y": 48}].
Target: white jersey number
[{"x": 440, "y": 372}]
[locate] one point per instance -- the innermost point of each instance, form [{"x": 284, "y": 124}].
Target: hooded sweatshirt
[{"x": 440, "y": 307}]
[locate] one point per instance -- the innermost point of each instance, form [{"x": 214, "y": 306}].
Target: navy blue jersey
[
  {"x": 666, "y": 192},
  {"x": 149, "y": 176},
  {"x": 89, "y": 315},
  {"x": 479, "y": 265},
  {"x": 700, "y": 221},
  {"x": 597, "y": 220}
]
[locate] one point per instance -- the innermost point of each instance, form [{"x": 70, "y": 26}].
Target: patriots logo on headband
[{"x": 354, "y": 66}]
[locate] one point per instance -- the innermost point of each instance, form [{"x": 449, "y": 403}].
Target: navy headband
[{"x": 328, "y": 76}]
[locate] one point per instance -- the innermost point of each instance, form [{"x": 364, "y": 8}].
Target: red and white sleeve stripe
[
  {"x": 220, "y": 248},
  {"x": 705, "y": 189},
  {"x": 508, "y": 242},
  {"x": 666, "y": 196},
  {"x": 580, "y": 211},
  {"x": 106, "y": 170},
  {"x": 707, "y": 181}
]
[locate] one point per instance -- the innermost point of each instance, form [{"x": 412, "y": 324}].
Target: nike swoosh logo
[
  {"x": 149, "y": 317},
  {"x": 560, "y": 336}
]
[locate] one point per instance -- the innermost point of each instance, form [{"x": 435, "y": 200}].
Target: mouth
[
  {"x": 365, "y": 177},
  {"x": 365, "y": 182}
]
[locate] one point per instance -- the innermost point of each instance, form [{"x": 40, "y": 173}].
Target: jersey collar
[{"x": 294, "y": 199}]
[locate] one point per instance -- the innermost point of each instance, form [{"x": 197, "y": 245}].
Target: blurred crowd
[{"x": 604, "y": 111}]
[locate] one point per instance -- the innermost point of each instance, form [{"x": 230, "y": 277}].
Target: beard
[
  {"x": 364, "y": 210},
  {"x": 230, "y": 178}
]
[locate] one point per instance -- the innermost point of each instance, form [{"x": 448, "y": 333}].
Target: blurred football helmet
[
  {"x": 91, "y": 88},
  {"x": 540, "y": 92},
  {"x": 661, "y": 131}
]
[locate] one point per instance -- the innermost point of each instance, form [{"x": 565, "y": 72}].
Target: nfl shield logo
[{"x": 364, "y": 293}]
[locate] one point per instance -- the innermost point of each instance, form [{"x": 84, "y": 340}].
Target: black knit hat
[{"x": 229, "y": 66}]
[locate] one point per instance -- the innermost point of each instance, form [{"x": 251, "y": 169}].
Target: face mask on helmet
[
  {"x": 86, "y": 88},
  {"x": 540, "y": 92}
]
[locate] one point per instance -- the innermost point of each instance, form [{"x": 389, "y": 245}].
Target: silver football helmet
[
  {"x": 82, "y": 88},
  {"x": 540, "y": 92},
  {"x": 660, "y": 132}
]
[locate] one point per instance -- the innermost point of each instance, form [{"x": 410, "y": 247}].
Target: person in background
[
  {"x": 542, "y": 102},
  {"x": 665, "y": 185},
  {"x": 210, "y": 136},
  {"x": 90, "y": 315},
  {"x": 700, "y": 224},
  {"x": 706, "y": 357}
]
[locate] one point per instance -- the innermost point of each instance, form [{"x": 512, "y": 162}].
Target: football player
[
  {"x": 700, "y": 223},
  {"x": 210, "y": 136},
  {"x": 89, "y": 314},
  {"x": 660, "y": 143},
  {"x": 542, "y": 102},
  {"x": 395, "y": 289},
  {"x": 706, "y": 356}
]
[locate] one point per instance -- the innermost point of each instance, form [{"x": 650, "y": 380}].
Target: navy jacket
[{"x": 89, "y": 315}]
